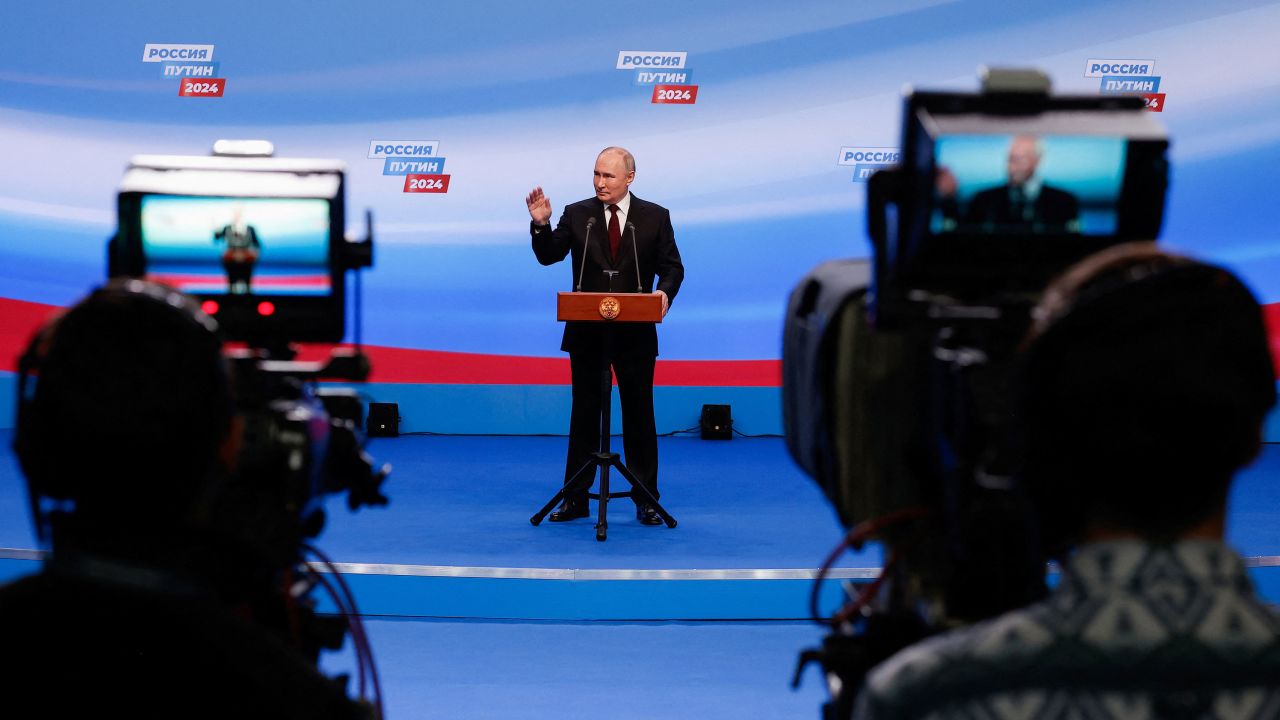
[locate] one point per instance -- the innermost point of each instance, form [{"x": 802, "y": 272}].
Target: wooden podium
[
  {"x": 606, "y": 308},
  {"x": 609, "y": 307}
]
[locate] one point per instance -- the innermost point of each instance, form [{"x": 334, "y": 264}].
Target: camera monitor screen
[
  {"x": 257, "y": 240},
  {"x": 259, "y": 246},
  {"x": 998, "y": 192},
  {"x": 1027, "y": 184}
]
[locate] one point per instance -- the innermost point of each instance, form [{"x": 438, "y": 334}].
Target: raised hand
[{"x": 539, "y": 206}]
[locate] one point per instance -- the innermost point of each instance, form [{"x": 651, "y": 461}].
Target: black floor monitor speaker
[
  {"x": 384, "y": 420},
  {"x": 717, "y": 422}
]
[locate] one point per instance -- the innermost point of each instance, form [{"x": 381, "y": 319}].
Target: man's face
[
  {"x": 612, "y": 178},
  {"x": 1023, "y": 158}
]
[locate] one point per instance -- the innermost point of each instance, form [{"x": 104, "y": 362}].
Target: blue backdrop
[{"x": 517, "y": 94}]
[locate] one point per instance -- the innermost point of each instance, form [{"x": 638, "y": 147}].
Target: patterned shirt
[{"x": 1133, "y": 630}]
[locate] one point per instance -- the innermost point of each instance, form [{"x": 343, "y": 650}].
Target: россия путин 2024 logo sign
[
  {"x": 418, "y": 161},
  {"x": 665, "y": 70},
  {"x": 191, "y": 65}
]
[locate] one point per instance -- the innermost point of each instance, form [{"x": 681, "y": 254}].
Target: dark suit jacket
[
  {"x": 655, "y": 245},
  {"x": 1052, "y": 210}
]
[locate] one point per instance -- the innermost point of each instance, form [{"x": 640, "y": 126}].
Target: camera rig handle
[
  {"x": 358, "y": 252},
  {"x": 883, "y": 188}
]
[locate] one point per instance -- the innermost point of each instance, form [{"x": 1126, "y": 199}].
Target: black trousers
[{"x": 639, "y": 432}]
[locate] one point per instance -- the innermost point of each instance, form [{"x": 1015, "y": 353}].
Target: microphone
[
  {"x": 639, "y": 285},
  {"x": 591, "y": 222}
]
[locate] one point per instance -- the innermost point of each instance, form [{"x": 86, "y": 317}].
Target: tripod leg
[
  {"x": 606, "y": 403},
  {"x": 580, "y": 478},
  {"x": 602, "y": 524},
  {"x": 639, "y": 487},
  {"x": 555, "y": 499}
]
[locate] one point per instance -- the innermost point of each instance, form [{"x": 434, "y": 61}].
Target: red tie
[{"x": 615, "y": 232}]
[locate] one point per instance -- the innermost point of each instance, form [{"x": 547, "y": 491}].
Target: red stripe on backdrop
[
  {"x": 1271, "y": 316},
  {"x": 19, "y": 319},
  {"x": 436, "y": 366},
  {"x": 18, "y": 322}
]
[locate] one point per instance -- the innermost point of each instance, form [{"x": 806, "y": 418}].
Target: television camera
[
  {"x": 897, "y": 373},
  {"x": 260, "y": 243}
]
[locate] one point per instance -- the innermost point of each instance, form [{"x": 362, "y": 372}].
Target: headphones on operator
[
  {"x": 1145, "y": 378},
  {"x": 184, "y": 391}
]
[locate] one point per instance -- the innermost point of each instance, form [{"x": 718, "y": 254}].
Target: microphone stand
[
  {"x": 586, "y": 243},
  {"x": 635, "y": 253}
]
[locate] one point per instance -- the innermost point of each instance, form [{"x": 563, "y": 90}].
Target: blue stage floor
[
  {"x": 466, "y": 501},
  {"x": 456, "y": 540},
  {"x": 457, "y": 537},
  {"x": 455, "y": 549},
  {"x": 480, "y": 670}
]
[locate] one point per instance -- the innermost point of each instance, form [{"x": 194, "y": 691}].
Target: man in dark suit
[
  {"x": 1025, "y": 203},
  {"x": 631, "y": 242},
  {"x": 241, "y": 253}
]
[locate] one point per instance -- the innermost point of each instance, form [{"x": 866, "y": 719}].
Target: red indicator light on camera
[
  {"x": 266, "y": 308},
  {"x": 210, "y": 307}
]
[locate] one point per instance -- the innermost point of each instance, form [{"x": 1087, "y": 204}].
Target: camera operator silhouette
[
  {"x": 154, "y": 601},
  {"x": 241, "y": 253},
  {"x": 1144, "y": 384}
]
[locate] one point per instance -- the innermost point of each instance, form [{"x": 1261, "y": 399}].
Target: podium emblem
[{"x": 610, "y": 307}]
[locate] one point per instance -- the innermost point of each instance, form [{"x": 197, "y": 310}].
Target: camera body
[
  {"x": 897, "y": 375},
  {"x": 259, "y": 242}
]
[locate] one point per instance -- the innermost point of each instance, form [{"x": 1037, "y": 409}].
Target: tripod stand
[{"x": 603, "y": 460}]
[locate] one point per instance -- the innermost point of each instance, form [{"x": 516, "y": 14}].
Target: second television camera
[
  {"x": 260, "y": 242},
  {"x": 897, "y": 375}
]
